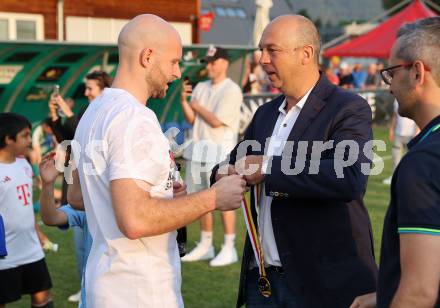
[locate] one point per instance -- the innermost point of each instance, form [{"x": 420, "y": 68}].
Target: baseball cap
[{"x": 214, "y": 53}]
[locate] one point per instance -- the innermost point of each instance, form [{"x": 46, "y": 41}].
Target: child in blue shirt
[{"x": 64, "y": 216}]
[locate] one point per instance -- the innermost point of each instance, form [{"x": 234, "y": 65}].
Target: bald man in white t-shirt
[{"x": 124, "y": 178}]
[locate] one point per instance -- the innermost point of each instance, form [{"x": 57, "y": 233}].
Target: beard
[
  {"x": 157, "y": 83},
  {"x": 406, "y": 99},
  {"x": 406, "y": 108}
]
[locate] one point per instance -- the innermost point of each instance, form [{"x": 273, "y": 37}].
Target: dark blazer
[{"x": 321, "y": 226}]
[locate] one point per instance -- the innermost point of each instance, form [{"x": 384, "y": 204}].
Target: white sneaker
[
  {"x": 75, "y": 298},
  {"x": 387, "y": 181},
  {"x": 226, "y": 256},
  {"x": 199, "y": 253}
]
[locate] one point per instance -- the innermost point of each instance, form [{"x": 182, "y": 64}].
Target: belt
[{"x": 278, "y": 269}]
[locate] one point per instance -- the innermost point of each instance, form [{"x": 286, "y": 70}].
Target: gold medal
[
  {"x": 263, "y": 283},
  {"x": 264, "y": 286}
]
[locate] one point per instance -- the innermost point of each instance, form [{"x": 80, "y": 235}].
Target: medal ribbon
[{"x": 252, "y": 230}]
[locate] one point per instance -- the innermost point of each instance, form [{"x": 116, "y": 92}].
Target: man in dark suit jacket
[{"x": 314, "y": 228}]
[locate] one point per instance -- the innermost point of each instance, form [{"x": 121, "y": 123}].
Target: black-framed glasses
[{"x": 387, "y": 74}]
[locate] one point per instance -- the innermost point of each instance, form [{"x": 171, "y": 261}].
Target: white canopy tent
[{"x": 262, "y": 18}]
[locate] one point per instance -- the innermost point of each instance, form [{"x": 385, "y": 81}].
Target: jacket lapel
[
  {"x": 314, "y": 104},
  {"x": 270, "y": 120}
]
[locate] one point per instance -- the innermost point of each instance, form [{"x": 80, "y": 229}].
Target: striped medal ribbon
[{"x": 263, "y": 282}]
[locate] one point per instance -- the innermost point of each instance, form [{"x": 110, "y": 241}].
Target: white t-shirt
[
  {"x": 17, "y": 209},
  {"x": 128, "y": 143},
  {"x": 404, "y": 126},
  {"x": 213, "y": 144}
]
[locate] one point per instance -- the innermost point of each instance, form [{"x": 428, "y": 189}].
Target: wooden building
[{"x": 91, "y": 21}]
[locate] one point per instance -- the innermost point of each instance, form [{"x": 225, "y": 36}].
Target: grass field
[{"x": 204, "y": 286}]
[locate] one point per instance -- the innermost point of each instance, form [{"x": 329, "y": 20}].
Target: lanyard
[
  {"x": 263, "y": 282},
  {"x": 433, "y": 129}
]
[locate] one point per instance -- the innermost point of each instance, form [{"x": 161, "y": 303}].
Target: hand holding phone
[
  {"x": 186, "y": 88},
  {"x": 55, "y": 94},
  {"x": 55, "y": 91}
]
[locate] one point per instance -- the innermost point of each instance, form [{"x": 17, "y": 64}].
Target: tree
[
  {"x": 304, "y": 13},
  {"x": 318, "y": 23},
  {"x": 387, "y": 4}
]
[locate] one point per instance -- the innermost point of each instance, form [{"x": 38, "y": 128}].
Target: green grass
[{"x": 204, "y": 286}]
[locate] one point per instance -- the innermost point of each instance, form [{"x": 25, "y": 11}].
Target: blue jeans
[{"x": 282, "y": 295}]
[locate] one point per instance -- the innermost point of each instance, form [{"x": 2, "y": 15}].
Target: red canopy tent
[{"x": 377, "y": 43}]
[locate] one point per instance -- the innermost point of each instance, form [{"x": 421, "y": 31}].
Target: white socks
[
  {"x": 206, "y": 238},
  {"x": 229, "y": 240}
]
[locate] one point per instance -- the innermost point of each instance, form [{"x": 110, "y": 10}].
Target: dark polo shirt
[{"x": 414, "y": 206}]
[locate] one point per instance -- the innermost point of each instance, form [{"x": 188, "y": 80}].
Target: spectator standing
[
  {"x": 345, "y": 76},
  {"x": 332, "y": 77},
  {"x": 373, "y": 79},
  {"x": 214, "y": 113},
  {"x": 359, "y": 76}
]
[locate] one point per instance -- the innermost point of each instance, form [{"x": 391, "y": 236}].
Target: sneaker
[
  {"x": 199, "y": 253},
  {"x": 387, "y": 181},
  {"x": 75, "y": 298},
  {"x": 226, "y": 256}
]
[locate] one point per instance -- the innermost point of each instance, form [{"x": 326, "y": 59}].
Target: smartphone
[
  {"x": 56, "y": 90},
  {"x": 186, "y": 78}
]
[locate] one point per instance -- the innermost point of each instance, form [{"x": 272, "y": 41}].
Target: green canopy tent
[{"x": 29, "y": 71}]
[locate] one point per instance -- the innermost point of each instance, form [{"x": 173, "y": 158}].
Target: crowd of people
[
  {"x": 309, "y": 241},
  {"x": 349, "y": 76},
  {"x": 356, "y": 76}
]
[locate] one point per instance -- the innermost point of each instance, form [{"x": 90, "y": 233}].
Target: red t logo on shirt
[{"x": 23, "y": 193}]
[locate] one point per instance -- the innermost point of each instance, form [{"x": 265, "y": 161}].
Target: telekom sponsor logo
[{"x": 24, "y": 194}]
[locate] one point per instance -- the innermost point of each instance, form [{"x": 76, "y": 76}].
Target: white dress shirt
[{"x": 280, "y": 134}]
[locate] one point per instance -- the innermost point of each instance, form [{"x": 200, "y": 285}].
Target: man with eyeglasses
[
  {"x": 409, "y": 273},
  {"x": 312, "y": 232}
]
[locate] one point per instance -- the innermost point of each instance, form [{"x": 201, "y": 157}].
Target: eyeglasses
[{"x": 387, "y": 74}]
